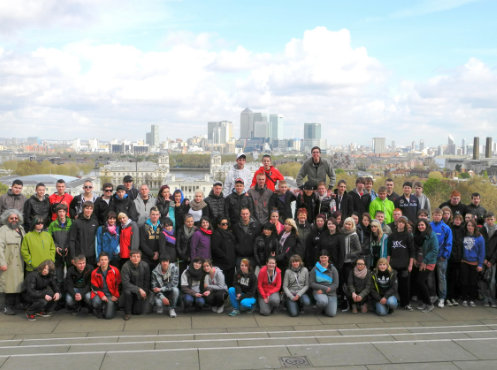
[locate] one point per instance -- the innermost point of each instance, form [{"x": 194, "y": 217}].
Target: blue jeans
[
  {"x": 243, "y": 305},
  {"x": 326, "y": 303},
  {"x": 72, "y": 303},
  {"x": 442, "y": 279},
  {"x": 172, "y": 296},
  {"x": 293, "y": 306},
  {"x": 108, "y": 308},
  {"x": 382, "y": 309},
  {"x": 190, "y": 300}
]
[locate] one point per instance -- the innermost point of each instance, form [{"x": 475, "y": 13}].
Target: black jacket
[
  {"x": 457, "y": 209},
  {"x": 80, "y": 280},
  {"x": 283, "y": 204},
  {"x": 163, "y": 206},
  {"x": 312, "y": 247},
  {"x": 38, "y": 286},
  {"x": 310, "y": 203},
  {"x": 135, "y": 277},
  {"x": 183, "y": 244},
  {"x": 234, "y": 203},
  {"x": 263, "y": 247},
  {"x": 245, "y": 284},
  {"x": 125, "y": 205},
  {"x": 333, "y": 244},
  {"x": 35, "y": 207},
  {"x": 490, "y": 246},
  {"x": 458, "y": 233},
  {"x": 291, "y": 246},
  {"x": 82, "y": 237},
  {"x": 360, "y": 204},
  {"x": 223, "y": 249},
  {"x": 215, "y": 207},
  {"x": 345, "y": 205},
  {"x": 149, "y": 243},
  {"x": 245, "y": 239},
  {"x": 100, "y": 210}
]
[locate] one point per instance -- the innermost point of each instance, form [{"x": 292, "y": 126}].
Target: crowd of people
[{"x": 252, "y": 241}]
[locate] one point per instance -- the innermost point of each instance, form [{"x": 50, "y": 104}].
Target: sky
[{"x": 108, "y": 69}]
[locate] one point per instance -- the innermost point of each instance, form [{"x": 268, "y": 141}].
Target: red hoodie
[{"x": 272, "y": 177}]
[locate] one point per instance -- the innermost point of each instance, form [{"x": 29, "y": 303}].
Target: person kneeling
[
  {"x": 136, "y": 284},
  {"x": 384, "y": 287},
  {"x": 324, "y": 283},
  {"x": 215, "y": 289},
  {"x": 242, "y": 294},
  {"x": 165, "y": 286},
  {"x": 191, "y": 280},
  {"x": 269, "y": 285},
  {"x": 295, "y": 286},
  {"x": 358, "y": 286},
  {"x": 105, "y": 281},
  {"x": 41, "y": 291},
  {"x": 77, "y": 284}
]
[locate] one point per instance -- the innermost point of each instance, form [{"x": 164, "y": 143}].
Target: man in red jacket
[
  {"x": 272, "y": 174},
  {"x": 105, "y": 281},
  {"x": 60, "y": 197}
]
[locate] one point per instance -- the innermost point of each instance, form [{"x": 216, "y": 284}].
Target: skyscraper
[
  {"x": 451, "y": 145},
  {"x": 379, "y": 145},
  {"x": 312, "y": 135},
  {"x": 152, "y": 137},
  {"x": 488, "y": 148},
  {"x": 219, "y": 133},
  {"x": 476, "y": 148},
  {"x": 275, "y": 127},
  {"x": 246, "y": 124}
]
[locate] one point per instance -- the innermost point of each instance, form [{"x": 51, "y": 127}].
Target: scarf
[
  {"x": 270, "y": 278},
  {"x": 419, "y": 238},
  {"x": 197, "y": 206},
  {"x": 321, "y": 277},
  {"x": 360, "y": 274},
  {"x": 195, "y": 274},
  {"x": 205, "y": 231},
  {"x": 284, "y": 237},
  {"x": 189, "y": 231},
  {"x": 112, "y": 229},
  {"x": 170, "y": 238}
]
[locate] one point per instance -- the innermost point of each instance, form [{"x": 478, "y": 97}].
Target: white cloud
[{"x": 118, "y": 90}]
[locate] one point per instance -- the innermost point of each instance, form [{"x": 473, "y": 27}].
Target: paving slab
[
  {"x": 102, "y": 347},
  {"x": 348, "y": 318},
  {"x": 276, "y": 341},
  {"x": 483, "y": 349},
  {"x": 431, "y": 336},
  {"x": 60, "y": 361},
  {"x": 22, "y": 326},
  {"x": 476, "y": 365},
  {"x": 151, "y": 360},
  {"x": 156, "y": 322},
  {"x": 283, "y": 320},
  {"x": 23, "y": 350},
  {"x": 90, "y": 324},
  {"x": 394, "y": 324},
  {"x": 3, "y": 359},
  {"x": 10, "y": 342},
  {"x": 427, "y": 351},
  {"x": 197, "y": 344},
  {"x": 339, "y": 354},
  {"x": 212, "y": 320},
  {"x": 154, "y": 337},
  {"x": 418, "y": 366},
  {"x": 243, "y": 358},
  {"x": 354, "y": 339}
]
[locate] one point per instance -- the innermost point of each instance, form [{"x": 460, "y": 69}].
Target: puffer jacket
[
  {"x": 215, "y": 206},
  {"x": 234, "y": 203},
  {"x": 36, "y": 207},
  {"x": 126, "y": 205},
  {"x": 263, "y": 246}
]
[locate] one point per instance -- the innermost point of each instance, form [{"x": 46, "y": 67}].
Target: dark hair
[
  {"x": 360, "y": 180},
  {"x": 366, "y": 214},
  {"x": 271, "y": 258},
  {"x": 135, "y": 251},
  {"x": 103, "y": 254},
  {"x": 269, "y": 226},
  {"x": 368, "y": 179},
  {"x": 489, "y": 214},
  {"x": 266, "y": 156},
  {"x": 167, "y": 222},
  {"x": 428, "y": 227},
  {"x": 165, "y": 257},
  {"x": 475, "y": 195},
  {"x": 155, "y": 209},
  {"x": 475, "y": 226},
  {"x": 197, "y": 259},
  {"x": 107, "y": 185},
  {"x": 324, "y": 252},
  {"x": 111, "y": 214},
  {"x": 80, "y": 257},
  {"x": 316, "y": 147},
  {"x": 61, "y": 181},
  {"x": 407, "y": 183},
  {"x": 37, "y": 220},
  {"x": 88, "y": 204},
  {"x": 341, "y": 182},
  {"x": 49, "y": 263},
  {"x": 40, "y": 184},
  {"x": 17, "y": 182},
  {"x": 60, "y": 206},
  {"x": 389, "y": 180},
  {"x": 204, "y": 218},
  {"x": 241, "y": 209}
]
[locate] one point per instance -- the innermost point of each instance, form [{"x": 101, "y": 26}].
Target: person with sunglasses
[
  {"x": 102, "y": 203},
  {"x": 76, "y": 206}
]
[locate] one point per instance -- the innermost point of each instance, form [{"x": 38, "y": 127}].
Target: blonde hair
[
  {"x": 380, "y": 230},
  {"x": 385, "y": 261},
  {"x": 291, "y": 221}
]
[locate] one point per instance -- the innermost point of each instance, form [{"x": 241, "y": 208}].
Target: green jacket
[
  {"x": 386, "y": 206},
  {"x": 36, "y": 248}
]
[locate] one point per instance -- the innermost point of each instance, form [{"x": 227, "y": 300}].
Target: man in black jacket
[
  {"x": 343, "y": 200},
  {"x": 135, "y": 276},
  {"x": 102, "y": 203},
  {"x": 245, "y": 233},
  {"x": 78, "y": 284},
  {"x": 215, "y": 202},
  {"x": 82, "y": 235},
  {"x": 37, "y": 205},
  {"x": 236, "y": 201}
]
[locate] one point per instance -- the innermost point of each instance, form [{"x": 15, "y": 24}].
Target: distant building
[
  {"x": 246, "y": 124},
  {"x": 476, "y": 148},
  {"x": 152, "y": 137},
  {"x": 312, "y": 135},
  {"x": 219, "y": 133},
  {"x": 451, "y": 145},
  {"x": 488, "y": 148},
  {"x": 379, "y": 145},
  {"x": 275, "y": 131}
]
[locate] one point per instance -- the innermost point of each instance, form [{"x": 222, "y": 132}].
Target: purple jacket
[{"x": 200, "y": 245}]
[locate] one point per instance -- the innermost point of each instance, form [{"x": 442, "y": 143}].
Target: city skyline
[{"x": 110, "y": 68}]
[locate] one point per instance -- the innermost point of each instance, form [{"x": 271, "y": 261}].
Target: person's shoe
[
  {"x": 429, "y": 308},
  {"x": 486, "y": 304},
  {"x": 493, "y": 305},
  {"x": 421, "y": 307},
  {"x": 448, "y": 302},
  {"x": 30, "y": 317},
  {"x": 159, "y": 310},
  {"x": 455, "y": 303},
  {"x": 441, "y": 303},
  {"x": 408, "y": 308},
  {"x": 364, "y": 308},
  {"x": 472, "y": 304},
  {"x": 234, "y": 313},
  {"x": 8, "y": 311},
  {"x": 126, "y": 317},
  {"x": 465, "y": 303},
  {"x": 346, "y": 306},
  {"x": 214, "y": 309},
  {"x": 220, "y": 309},
  {"x": 172, "y": 313},
  {"x": 44, "y": 314},
  {"x": 354, "y": 308},
  {"x": 414, "y": 298}
]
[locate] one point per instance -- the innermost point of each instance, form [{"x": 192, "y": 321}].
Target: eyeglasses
[
  {"x": 223, "y": 224},
  {"x": 107, "y": 190},
  {"x": 13, "y": 218},
  {"x": 360, "y": 264},
  {"x": 87, "y": 187},
  {"x": 40, "y": 223}
]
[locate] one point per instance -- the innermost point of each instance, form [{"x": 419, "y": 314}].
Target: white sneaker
[
  {"x": 455, "y": 303},
  {"x": 172, "y": 313},
  {"x": 441, "y": 303},
  {"x": 472, "y": 304},
  {"x": 220, "y": 309},
  {"x": 159, "y": 310},
  {"x": 449, "y": 303},
  {"x": 465, "y": 303}
]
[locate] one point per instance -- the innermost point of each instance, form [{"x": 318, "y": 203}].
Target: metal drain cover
[{"x": 295, "y": 361}]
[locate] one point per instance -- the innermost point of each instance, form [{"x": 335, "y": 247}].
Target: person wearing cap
[
  {"x": 272, "y": 174},
  {"x": 408, "y": 203},
  {"x": 238, "y": 171},
  {"x": 215, "y": 202},
  {"x": 261, "y": 196},
  {"x": 308, "y": 200},
  {"x": 130, "y": 189},
  {"x": 236, "y": 201},
  {"x": 316, "y": 169},
  {"x": 122, "y": 202}
]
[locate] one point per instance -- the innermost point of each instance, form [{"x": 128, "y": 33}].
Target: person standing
[
  {"x": 37, "y": 205},
  {"x": 408, "y": 203},
  {"x": 11, "y": 261},
  {"x": 13, "y": 199},
  {"x": 87, "y": 195},
  {"x": 143, "y": 204},
  {"x": 131, "y": 191},
  {"x": 471, "y": 263},
  {"x": 236, "y": 201},
  {"x": 82, "y": 235},
  {"x": 37, "y": 246},
  {"x": 316, "y": 169},
  {"x": 261, "y": 195},
  {"x": 271, "y": 174},
  {"x": 60, "y": 197},
  {"x": 238, "y": 171},
  {"x": 215, "y": 202},
  {"x": 102, "y": 203},
  {"x": 391, "y": 194}
]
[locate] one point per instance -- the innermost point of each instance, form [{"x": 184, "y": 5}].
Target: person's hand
[
  {"x": 156, "y": 290},
  {"x": 319, "y": 291},
  {"x": 328, "y": 290},
  {"x": 238, "y": 296},
  {"x": 66, "y": 251},
  {"x": 156, "y": 256},
  {"x": 3, "y": 268},
  {"x": 56, "y": 296},
  {"x": 198, "y": 295},
  {"x": 273, "y": 254},
  {"x": 114, "y": 299},
  {"x": 104, "y": 299},
  {"x": 207, "y": 293},
  {"x": 48, "y": 298},
  {"x": 409, "y": 268},
  {"x": 165, "y": 301},
  {"x": 479, "y": 268},
  {"x": 266, "y": 300},
  {"x": 142, "y": 293},
  {"x": 59, "y": 251},
  {"x": 383, "y": 300},
  {"x": 354, "y": 295},
  {"x": 358, "y": 298},
  {"x": 422, "y": 267},
  {"x": 77, "y": 297}
]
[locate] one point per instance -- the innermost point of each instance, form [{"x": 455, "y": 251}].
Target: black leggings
[
  {"x": 422, "y": 278},
  {"x": 403, "y": 277},
  {"x": 469, "y": 282},
  {"x": 216, "y": 298}
]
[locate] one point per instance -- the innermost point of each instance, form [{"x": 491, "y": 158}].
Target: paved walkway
[{"x": 449, "y": 338}]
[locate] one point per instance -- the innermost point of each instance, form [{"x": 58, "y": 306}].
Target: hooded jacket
[
  {"x": 106, "y": 242},
  {"x": 282, "y": 203},
  {"x": 126, "y": 205},
  {"x": 36, "y": 248},
  {"x": 444, "y": 237},
  {"x": 234, "y": 173},
  {"x": 273, "y": 175},
  {"x": 296, "y": 282},
  {"x": 82, "y": 236},
  {"x": 263, "y": 246},
  {"x": 113, "y": 281},
  {"x": 165, "y": 281},
  {"x": 143, "y": 209},
  {"x": 265, "y": 287},
  {"x": 36, "y": 207}
]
